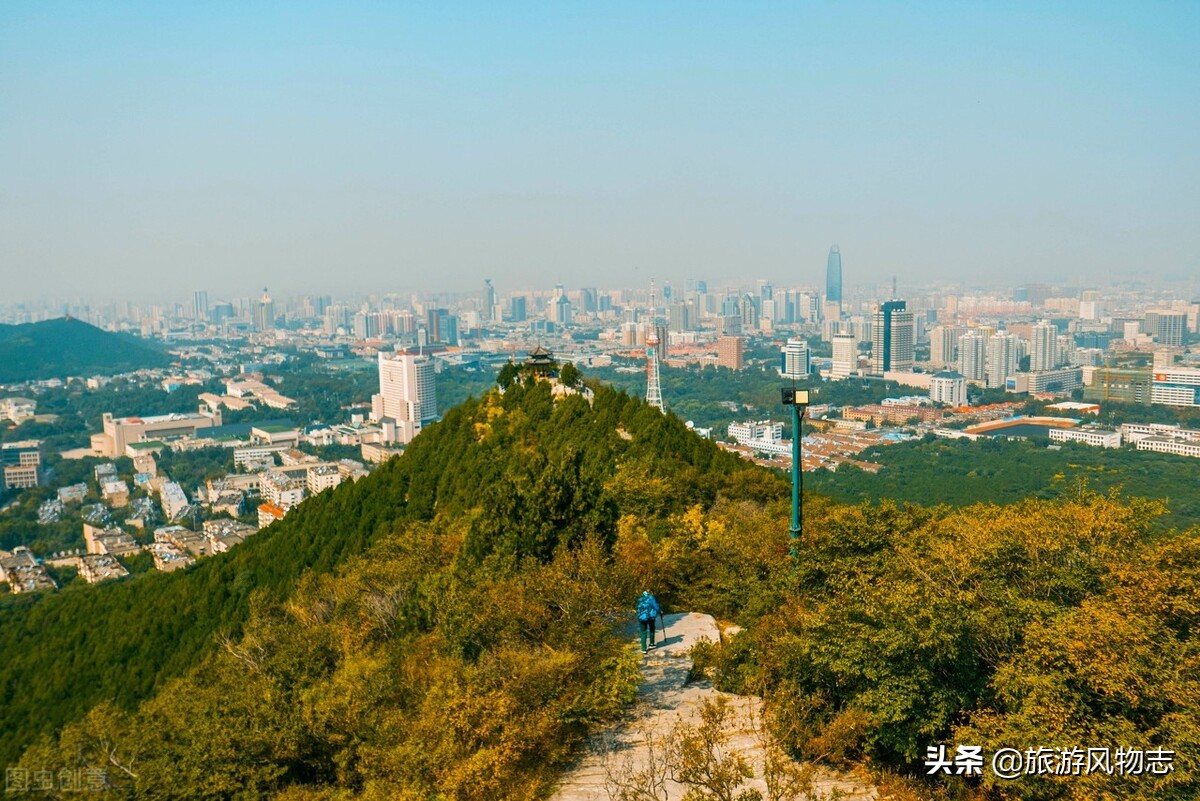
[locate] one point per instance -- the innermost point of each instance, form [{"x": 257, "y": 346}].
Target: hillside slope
[
  {"x": 66, "y": 346},
  {"x": 560, "y": 469}
]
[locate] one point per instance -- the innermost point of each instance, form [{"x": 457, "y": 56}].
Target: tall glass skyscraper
[{"x": 833, "y": 275}]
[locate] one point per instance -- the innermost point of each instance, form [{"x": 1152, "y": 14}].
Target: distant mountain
[{"x": 66, "y": 346}]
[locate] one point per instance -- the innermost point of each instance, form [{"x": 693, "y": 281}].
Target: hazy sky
[{"x": 167, "y": 146}]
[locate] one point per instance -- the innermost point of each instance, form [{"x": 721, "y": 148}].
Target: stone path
[{"x": 664, "y": 699}]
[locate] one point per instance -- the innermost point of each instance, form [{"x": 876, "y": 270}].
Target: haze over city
[{"x": 153, "y": 148}]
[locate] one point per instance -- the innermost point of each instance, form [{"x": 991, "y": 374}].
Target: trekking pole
[{"x": 662, "y": 621}]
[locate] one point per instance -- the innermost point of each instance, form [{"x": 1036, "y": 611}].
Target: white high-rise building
[
  {"x": 845, "y": 356},
  {"x": 794, "y": 359},
  {"x": 949, "y": 388},
  {"x": 1001, "y": 359},
  {"x": 972, "y": 356},
  {"x": 1043, "y": 348},
  {"x": 407, "y": 396}
]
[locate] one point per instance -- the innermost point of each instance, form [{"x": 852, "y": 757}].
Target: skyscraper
[
  {"x": 200, "y": 305},
  {"x": 489, "y": 301},
  {"x": 892, "y": 338},
  {"x": 264, "y": 312},
  {"x": 833, "y": 275},
  {"x": 519, "y": 310},
  {"x": 407, "y": 396},
  {"x": 441, "y": 327}
]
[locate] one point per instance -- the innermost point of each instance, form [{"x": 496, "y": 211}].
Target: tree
[
  {"x": 569, "y": 375},
  {"x": 507, "y": 375}
]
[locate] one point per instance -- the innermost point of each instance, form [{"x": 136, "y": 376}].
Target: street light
[{"x": 798, "y": 400}]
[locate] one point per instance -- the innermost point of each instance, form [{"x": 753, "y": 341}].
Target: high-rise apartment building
[
  {"x": 731, "y": 352},
  {"x": 845, "y": 356},
  {"x": 1043, "y": 347},
  {"x": 1168, "y": 327},
  {"x": 892, "y": 338},
  {"x": 972, "y": 356},
  {"x": 943, "y": 344},
  {"x": 1091, "y": 306},
  {"x": 794, "y": 359},
  {"x": 407, "y": 397},
  {"x": 1001, "y": 358}
]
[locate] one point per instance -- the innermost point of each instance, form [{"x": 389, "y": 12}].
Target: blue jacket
[{"x": 647, "y": 607}]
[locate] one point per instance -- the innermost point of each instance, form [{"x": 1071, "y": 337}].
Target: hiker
[{"x": 647, "y": 611}]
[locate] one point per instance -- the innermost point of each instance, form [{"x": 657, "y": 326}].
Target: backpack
[{"x": 645, "y": 607}]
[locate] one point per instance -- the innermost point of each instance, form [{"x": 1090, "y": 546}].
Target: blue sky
[{"x": 154, "y": 148}]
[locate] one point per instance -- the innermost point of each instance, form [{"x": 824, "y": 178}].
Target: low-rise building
[
  {"x": 173, "y": 499},
  {"x": 275, "y": 434},
  {"x": 1096, "y": 437},
  {"x": 120, "y": 431},
  {"x": 1133, "y": 432},
  {"x": 1062, "y": 381},
  {"x": 186, "y": 540},
  {"x": 23, "y": 572},
  {"x": 256, "y": 455},
  {"x": 169, "y": 557},
  {"x": 1177, "y": 446},
  {"x": 21, "y": 463},
  {"x": 281, "y": 489},
  {"x": 268, "y": 513},
  {"x": 761, "y": 435},
  {"x": 74, "y": 493},
  {"x": 115, "y": 492},
  {"x": 18, "y": 410},
  {"x": 112, "y": 541},
  {"x": 323, "y": 477},
  {"x": 94, "y": 568},
  {"x": 290, "y": 457},
  {"x": 225, "y": 534},
  {"x": 377, "y": 452},
  {"x": 351, "y": 469}
]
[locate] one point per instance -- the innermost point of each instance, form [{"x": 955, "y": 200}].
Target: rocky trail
[{"x": 633, "y": 754}]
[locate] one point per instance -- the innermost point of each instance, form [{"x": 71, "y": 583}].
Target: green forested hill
[
  {"x": 520, "y": 458},
  {"x": 66, "y": 346}
]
